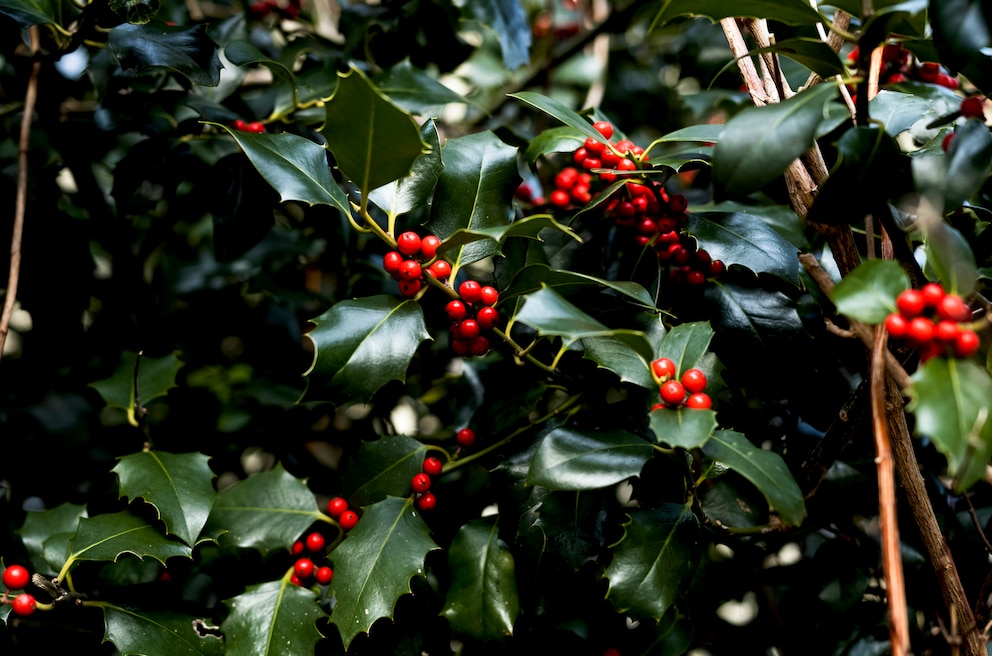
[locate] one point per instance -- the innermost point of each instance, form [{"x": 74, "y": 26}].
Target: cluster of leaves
[{"x": 218, "y": 350}]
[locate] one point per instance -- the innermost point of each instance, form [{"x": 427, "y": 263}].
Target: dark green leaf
[
  {"x": 960, "y": 28},
  {"x": 814, "y": 54},
  {"x": 688, "y": 428},
  {"x": 38, "y": 12},
  {"x": 155, "y": 377},
  {"x": 41, "y": 525},
  {"x": 752, "y": 312},
  {"x": 108, "y": 536},
  {"x": 414, "y": 89},
  {"x": 869, "y": 292},
  {"x": 703, "y": 133},
  {"x": 561, "y": 139},
  {"x": 899, "y": 111},
  {"x": 273, "y": 618},
  {"x": 614, "y": 353},
  {"x": 559, "y": 110},
  {"x": 374, "y": 564},
  {"x": 415, "y": 190},
  {"x": 790, "y": 12},
  {"x": 780, "y": 218},
  {"x": 572, "y": 459},
  {"x": 265, "y": 511},
  {"x": 508, "y": 19},
  {"x": 180, "y": 487},
  {"x": 481, "y": 602},
  {"x": 969, "y": 163},
  {"x": 529, "y": 227},
  {"x": 164, "y": 633},
  {"x": 382, "y": 468},
  {"x": 740, "y": 238},
  {"x": 737, "y": 506},
  {"x": 950, "y": 400},
  {"x": 950, "y": 257},
  {"x": 765, "y": 469},
  {"x": 184, "y": 50},
  {"x": 686, "y": 344},
  {"x": 564, "y": 525},
  {"x": 533, "y": 277},
  {"x": 361, "y": 345}
]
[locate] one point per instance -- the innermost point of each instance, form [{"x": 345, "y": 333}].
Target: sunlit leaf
[{"x": 869, "y": 292}]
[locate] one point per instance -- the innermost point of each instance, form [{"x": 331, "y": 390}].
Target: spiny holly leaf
[
  {"x": 572, "y": 459},
  {"x": 614, "y": 352},
  {"x": 790, "y": 12},
  {"x": 295, "y": 167},
  {"x": 686, "y": 344},
  {"x": 533, "y": 277},
  {"x": 739, "y": 238},
  {"x": 265, "y": 511},
  {"x": 383, "y": 468},
  {"x": 529, "y": 227},
  {"x": 738, "y": 505},
  {"x": 108, "y": 536},
  {"x": 482, "y": 601},
  {"x": 508, "y": 19},
  {"x": 275, "y": 618},
  {"x": 415, "y": 90},
  {"x": 184, "y": 50},
  {"x": 687, "y": 428},
  {"x": 361, "y": 345},
  {"x": 413, "y": 191},
  {"x": 869, "y": 292},
  {"x": 560, "y": 139},
  {"x": 561, "y": 111},
  {"x": 758, "y": 143},
  {"x": 566, "y": 525},
  {"x": 139, "y": 631},
  {"x": 42, "y": 529},
  {"x": 138, "y": 381},
  {"x": 374, "y": 564},
  {"x": 474, "y": 192},
  {"x": 178, "y": 486},
  {"x": 765, "y": 469},
  {"x": 654, "y": 561},
  {"x": 373, "y": 141},
  {"x": 951, "y": 399},
  {"x": 752, "y": 312}
]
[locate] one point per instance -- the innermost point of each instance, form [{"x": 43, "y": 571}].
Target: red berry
[
  {"x": 337, "y": 506},
  {"x": 456, "y": 310},
  {"x": 408, "y": 243},
  {"x": 24, "y": 604},
  {"x": 426, "y": 501},
  {"x": 966, "y": 344},
  {"x": 409, "y": 288},
  {"x": 315, "y": 542},
  {"x": 391, "y": 261},
  {"x": 440, "y": 269},
  {"x": 348, "y": 520},
  {"x": 488, "y": 295},
  {"x": 433, "y": 466},
  {"x": 478, "y": 345},
  {"x": 566, "y": 178},
  {"x": 468, "y": 329},
  {"x": 911, "y": 303},
  {"x": 932, "y": 294},
  {"x": 896, "y": 325},
  {"x": 460, "y": 346},
  {"x": 919, "y": 331},
  {"x": 470, "y": 291},
  {"x": 487, "y": 317},
  {"x": 694, "y": 381},
  {"x": 429, "y": 246},
  {"x": 410, "y": 270},
  {"x": 945, "y": 144},
  {"x": 420, "y": 482},
  {"x": 663, "y": 369},
  {"x": 239, "y": 124},
  {"x": 695, "y": 278},
  {"x": 16, "y": 577},
  {"x": 324, "y": 575},
  {"x": 946, "y": 331},
  {"x": 973, "y": 107},
  {"x": 297, "y": 548},
  {"x": 929, "y": 71},
  {"x": 593, "y": 146},
  {"x": 560, "y": 198},
  {"x": 256, "y": 127},
  {"x": 465, "y": 437},
  {"x": 678, "y": 203},
  {"x": 580, "y": 156},
  {"x": 717, "y": 268},
  {"x": 604, "y": 128},
  {"x": 626, "y": 165},
  {"x": 625, "y": 146},
  {"x": 304, "y": 568},
  {"x": 672, "y": 392},
  {"x": 295, "y": 580},
  {"x": 699, "y": 401},
  {"x": 953, "y": 308},
  {"x": 945, "y": 80}
]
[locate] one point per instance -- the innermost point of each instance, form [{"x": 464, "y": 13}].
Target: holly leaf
[
  {"x": 766, "y": 470},
  {"x": 560, "y": 139},
  {"x": 534, "y": 277},
  {"x": 868, "y": 293},
  {"x": 382, "y": 468},
  {"x": 39, "y": 12},
  {"x": 108, "y": 536},
  {"x": 415, "y": 90},
  {"x": 572, "y": 459},
  {"x": 757, "y": 314},
  {"x": 950, "y": 400},
  {"x": 746, "y": 240},
  {"x": 614, "y": 353},
  {"x": 187, "y": 51},
  {"x": 140, "y": 631},
  {"x": 688, "y": 428},
  {"x": 138, "y": 379},
  {"x": 136, "y": 12},
  {"x": 360, "y": 345},
  {"x": 374, "y": 564},
  {"x": 814, "y": 54},
  {"x": 48, "y": 527},
  {"x": 413, "y": 191},
  {"x": 481, "y": 601},
  {"x": 686, "y": 344},
  {"x": 265, "y": 511},
  {"x": 508, "y": 19},
  {"x": 272, "y": 618},
  {"x": 179, "y": 487},
  {"x": 567, "y": 525},
  {"x": 969, "y": 161},
  {"x": 654, "y": 561},
  {"x": 529, "y": 227},
  {"x": 474, "y": 193}
]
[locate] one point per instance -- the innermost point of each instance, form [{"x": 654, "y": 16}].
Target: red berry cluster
[
  {"x": 16, "y": 577},
  {"x": 263, "y": 8},
  {"x": 472, "y": 315},
  {"x": 414, "y": 255},
  {"x": 339, "y": 510},
  {"x": 675, "y": 392},
  {"x": 933, "y": 321},
  {"x": 421, "y": 483},
  {"x": 899, "y": 66},
  {"x": 305, "y": 570},
  {"x": 256, "y": 127}
]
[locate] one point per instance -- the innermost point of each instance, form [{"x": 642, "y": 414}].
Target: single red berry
[
  {"x": 470, "y": 291},
  {"x": 408, "y": 243},
  {"x": 316, "y": 542},
  {"x": 694, "y": 381},
  {"x": 420, "y": 482},
  {"x": 663, "y": 369},
  {"x": 910, "y": 303},
  {"x": 440, "y": 269},
  {"x": 16, "y": 577},
  {"x": 429, "y": 245},
  {"x": 348, "y": 520},
  {"x": 932, "y": 294},
  {"x": 409, "y": 288},
  {"x": 295, "y": 580},
  {"x": 324, "y": 575},
  {"x": 468, "y": 329},
  {"x": 605, "y": 128},
  {"x": 304, "y": 568},
  {"x": 931, "y": 350},
  {"x": 478, "y": 345},
  {"x": 579, "y": 156},
  {"x": 560, "y": 198},
  {"x": 945, "y": 144},
  {"x": 465, "y": 437},
  {"x": 460, "y": 346},
  {"x": 566, "y": 178},
  {"x": 695, "y": 278},
  {"x": 456, "y": 310},
  {"x": 717, "y": 268},
  {"x": 593, "y": 146},
  {"x": 487, "y": 317},
  {"x": 946, "y": 331},
  {"x": 699, "y": 401},
  {"x": 24, "y": 604},
  {"x": 391, "y": 261},
  {"x": 896, "y": 325},
  {"x": 678, "y": 203},
  {"x": 256, "y": 127},
  {"x": 966, "y": 344},
  {"x": 945, "y": 80},
  {"x": 973, "y": 107},
  {"x": 488, "y": 295},
  {"x": 672, "y": 392},
  {"x": 611, "y": 651},
  {"x": 929, "y": 71},
  {"x": 426, "y": 501},
  {"x": 336, "y": 506},
  {"x": 239, "y": 124},
  {"x": 626, "y": 165},
  {"x": 410, "y": 270},
  {"x": 625, "y": 146},
  {"x": 297, "y": 548},
  {"x": 919, "y": 331},
  {"x": 433, "y": 466},
  {"x": 953, "y": 308},
  {"x": 610, "y": 159}
]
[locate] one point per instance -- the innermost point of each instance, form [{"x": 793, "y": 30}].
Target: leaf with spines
[
  {"x": 868, "y": 293},
  {"x": 566, "y": 525},
  {"x": 276, "y": 618},
  {"x": 559, "y": 110},
  {"x": 360, "y": 345},
  {"x": 185, "y": 50},
  {"x": 140, "y": 631},
  {"x": 179, "y": 486},
  {"x": 573, "y": 459},
  {"x": 415, "y": 90},
  {"x": 43, "y": 529},
  {"x": 686, "y": 344},
  {"x": 155, "y": 377},
  {"x": 413, "y": 191},
  {"x": 534, "y": 277},
  {"x": 109, "y": 536},
  {"x": 374, "y": 564},
  {"x": 745, "y": 240},
  {"x": 529, "y": 227},
  {"x": 383, "y": 468},
  {"x": 265, "y": 511}
]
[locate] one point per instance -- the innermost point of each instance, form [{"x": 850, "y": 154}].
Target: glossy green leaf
[
  {"x": 780, "y": 218},
  {"x": 737, "y": 506},
  {"x": 415, "y": 190},
  {"x": 814, "y": 54},
  {"x": 374, "y": 564},
  {"x": 474, "y": 193},
  {"x": 529, "y": 227},
  {"x": 702, "y": 133},
  {"x": 374, "y": 142},
  {"x": 39, "y": 528},
  {"x": 574, "y": 459},
  {"x": 868, "y": 293},
  {"x": 899, "y": 111},
  {"x": 654, "y": 561},
  {"x": 614, "y": 353},
  {"x": 295, "y": 167},
  {"x": 759, "y": 314},
  {"x": 758, "y": 143},
  {"x": 187, "y": 51},
  {"x": 766, "y": 470},
  {"x": 165, "y": 633},
  {"x": 950, "y": 257},
  {"x": 534, "y": 277},
  {"x": 560, "y": 139},
  {"x": 960, "y": 28},
  {"x": 138, "y": 379},
  {"x": 361, "y": 345},
  {"x": 686, "y": 344},
  {"x": 265, "y": 511},
  {"x": 688, "y": 428},
  {"x": 790, "y": 12},
  {"x": 179, "y": 486},
  {"x": 559, "y": 110},
  {"x": 272, "y": 618},
  {"x": 565, "y": 526},
  {"x": 951, "y": 401},
  {"x": 382, "y": 468},
  {"x": 109, "y": 536},
  {"x": 509, "y": 20},
  {"x": 969, "y": 162},
  {"x": 414, "y": 89},
  {"x": 39, "y": 12},
  {"x": 481, "y": 601},
  {"x": 743, "y": 239}
]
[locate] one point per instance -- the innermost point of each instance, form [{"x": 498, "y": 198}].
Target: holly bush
[{"x": 474, "y": 327}]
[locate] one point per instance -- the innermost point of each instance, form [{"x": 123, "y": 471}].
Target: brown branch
[{"x": 20, "y": 207}]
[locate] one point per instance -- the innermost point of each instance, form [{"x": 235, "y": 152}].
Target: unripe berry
[
  {"x": 672, "y": 392},
  {"x": 16, "y": 577},
  {"x": 408, "y": 243},
  {"x": 465, "y": 437}
]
